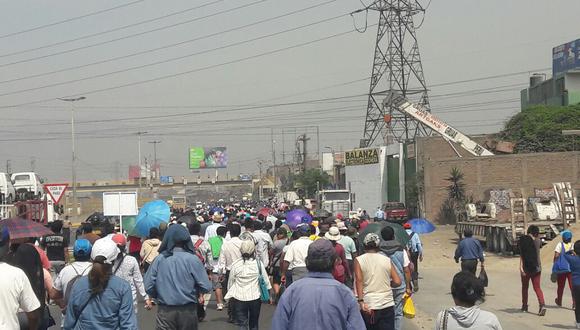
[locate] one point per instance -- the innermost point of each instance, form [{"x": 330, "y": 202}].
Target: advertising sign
[
  {"x": 55, "y": 190},
  {"x": 214, "y": 157},
  {"x": 566, "y": 57},
  {"x": 120, "y": 203},
  {"x": 362, "y": 156},
  {"x": 166, "y": 180}
]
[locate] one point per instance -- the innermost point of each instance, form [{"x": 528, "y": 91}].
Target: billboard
[
  {"x": 362, "y": 156},
  {"x": 214, "y": 157},
  {"x": 566, "y": 57}
]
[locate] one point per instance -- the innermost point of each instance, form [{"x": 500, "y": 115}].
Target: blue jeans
[{"x": 398, "y": 298}]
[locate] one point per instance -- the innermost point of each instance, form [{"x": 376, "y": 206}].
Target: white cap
[{"x": 105, "y": 248}]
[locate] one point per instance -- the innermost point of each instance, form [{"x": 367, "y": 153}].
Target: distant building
[{"x": 564, "y": 87}]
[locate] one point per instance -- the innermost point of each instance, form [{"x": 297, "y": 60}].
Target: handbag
[
  {"x": 483, "y": 278},
  {"x": 408, "y": 307},
  {"x": 264, "y": 291},
  {"x": 561, "y": 265}
]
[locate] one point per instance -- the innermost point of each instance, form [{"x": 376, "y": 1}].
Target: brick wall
[{"x": 482, "y": 174}]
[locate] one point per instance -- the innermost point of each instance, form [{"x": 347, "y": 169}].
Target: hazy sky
[{"x": 230, "y": 58}]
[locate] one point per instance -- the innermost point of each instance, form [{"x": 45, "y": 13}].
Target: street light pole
[
  {"x": 139, "y": 151},
  {"x": 156, "y": 166},
  {"x": 74, "y": 157}
]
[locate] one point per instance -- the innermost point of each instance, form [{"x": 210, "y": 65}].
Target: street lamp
[
  {"x": 74, "y": 158},
  {"x": 139, "y": 151}
]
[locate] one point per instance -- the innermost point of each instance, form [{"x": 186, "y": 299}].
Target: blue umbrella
[
  {"x": 151, "y": 215},
  {"x": 421, "y": 226}
]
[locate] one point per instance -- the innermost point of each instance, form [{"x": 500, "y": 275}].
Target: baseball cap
[
  {"x": 4, "y": 240},
  {"x": 321, "y": 249},
  {"x": 82, "y": 248},
  {"x": 333, "y": 234},
  {"x": 105, "y": 248},
  {"x": 119, "y": 239},
  {"x": 566, "y": 234},
  {"x": 370, "y": 238},
  {"x": 407, "y": 225}
]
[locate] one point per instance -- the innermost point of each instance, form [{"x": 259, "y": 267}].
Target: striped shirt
[{"x": 243, "y": 282}]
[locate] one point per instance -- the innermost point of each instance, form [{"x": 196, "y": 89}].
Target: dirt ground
[{"x": 504, "y": 291}]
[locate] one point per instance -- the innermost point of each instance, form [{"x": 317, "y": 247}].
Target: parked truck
[{"x": 334, "y": 201}]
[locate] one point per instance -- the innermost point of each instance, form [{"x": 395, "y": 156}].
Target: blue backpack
[{"x": 561, "y": 265}]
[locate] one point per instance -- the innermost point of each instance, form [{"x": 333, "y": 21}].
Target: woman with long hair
[
  {"x": 244, "y": 287},
  {"x": 27, "y": 258},
  {"x": 101, "y": 300}
]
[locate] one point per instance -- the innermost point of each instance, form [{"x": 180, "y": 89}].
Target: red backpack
[
  {"x": 339, "y": 270},
  {"x": 197, "y": 252}
]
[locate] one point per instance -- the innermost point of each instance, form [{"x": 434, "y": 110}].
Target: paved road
[{"x": 215, "y": 320}]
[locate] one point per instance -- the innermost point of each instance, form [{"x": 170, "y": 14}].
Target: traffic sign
[{"x": 55, "y": 190}]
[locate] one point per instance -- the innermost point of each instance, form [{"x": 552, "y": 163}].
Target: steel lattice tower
[{"x": 396, "y": 66}]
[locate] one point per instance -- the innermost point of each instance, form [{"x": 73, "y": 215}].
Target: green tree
[
  {"x": 452, "y": 209},
  {"x": 311, "y": 180},
  {"x": 539, "y": 129}
]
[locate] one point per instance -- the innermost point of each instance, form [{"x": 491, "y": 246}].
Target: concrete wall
[{"x": 492, "y": 177}]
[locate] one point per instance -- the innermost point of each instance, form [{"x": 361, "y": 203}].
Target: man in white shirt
[
  {"x": 263, "y": 242},
  {"x": 15, "y": 291},
  {"x": 210, "y": 231},
  {"x": 295, "y": 256},
  {"x": 229, "y": 254}
]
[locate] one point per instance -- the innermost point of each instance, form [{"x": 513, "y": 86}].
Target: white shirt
[
  {"x": 204, "y": 249},
  {"x": 229, "y": 254},
  {"x": 130, "y": 272},
  {"x": 211, "y": 230},
  {"x": 264, "y": 243},
  {"x": 16, "y": 293},
  {"x": 69, "y": 272},
  {"x": 243, "y": 282},
  {"x": 297, "y": 252},
  {"x": 376, "y": 271}
]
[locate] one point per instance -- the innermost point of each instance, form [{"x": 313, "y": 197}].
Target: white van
[
  {"x": 7, "y": 192},
  {"x": 27, "y": 185}
]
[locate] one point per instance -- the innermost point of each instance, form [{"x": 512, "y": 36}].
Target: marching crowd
[{"x": 328, "y": 274}]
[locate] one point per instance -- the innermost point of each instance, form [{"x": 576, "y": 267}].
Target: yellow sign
[{"x": 362, "y": 156}]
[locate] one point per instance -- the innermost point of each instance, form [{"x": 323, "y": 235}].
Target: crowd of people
[{"x": 330, "y": 273}]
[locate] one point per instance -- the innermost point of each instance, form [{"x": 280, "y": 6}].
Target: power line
[
  {"x": 167, "y": 46},
  {"x": 173, "y": 59},
  {"x": 279, "y": 50},
  {"x": 133, "y": 35},
  {"x": 69, "y": 19}
]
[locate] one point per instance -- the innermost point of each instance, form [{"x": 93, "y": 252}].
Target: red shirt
[{"x": 134, "y": 244}]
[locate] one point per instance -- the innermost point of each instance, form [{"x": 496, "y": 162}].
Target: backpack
[
  {"x": 197, "y": 252},
  {"x": 70, "y": 285},
  {"x": 339, "y": 270},
  {"x": 215, "y": 244}
]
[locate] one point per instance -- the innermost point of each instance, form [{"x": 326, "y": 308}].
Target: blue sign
[
  {"x": 566, "y": 57},
  {"x": 165, "y": 179}
]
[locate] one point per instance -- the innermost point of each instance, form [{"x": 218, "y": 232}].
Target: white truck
[
  {"x": 7, "y": 192},
  {"x": 27, "y": 185},
  {"x": 335, "y": 201}
]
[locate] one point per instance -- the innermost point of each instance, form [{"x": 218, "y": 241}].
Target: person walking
[
  {"x": 176, "y": 279},
  {"x": 574, "y": 261},
  {"x": 565, "y": 247},
  {"x": 56, "y": 246},
  {"x": 211, "y": 230},
  {"x": 229, "y": 254},
  {"x": 215, "y": 244},
  {"x": 244, "y": 287},
  {"x": 16, "y": 292},
  {"x": 263, "y": 242},
  {"x": 380, "y": 214},
  {"x": 295, "y": 256},
  {"x": 341, "y": 271},
  {"x": 150, "y": 249},
  {"x": 88, "y": 233},
  {"x": 531, "y": 267},
  {"x": 276, "y": 260},
  {"x": 127, "y": 268},
  {"x": 400, "y": 259},
  {"x": 375, "y": 275},
  {"x": 467, "y": 291},
  {"x": 101, "y": 300},
  {"x": 70, "y": 274},
  {"x": 415, "y": 249},
  {"x": 318, "y": 301},
  {"x": 349, "y": 249},
  {"x": 469, "y": 250}
]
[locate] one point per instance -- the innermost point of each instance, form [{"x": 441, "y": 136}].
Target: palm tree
[{"x": 456, "y": 187}]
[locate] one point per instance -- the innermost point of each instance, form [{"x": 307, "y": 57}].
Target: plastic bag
[
  {"x": 483, "y": 278},
  {"x": 408, "y": 307}
]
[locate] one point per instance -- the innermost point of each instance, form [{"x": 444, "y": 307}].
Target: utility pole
[
  {"x": 8, "y": 166},
  {"x": 74, "y": 157},
  {"x": 260, "y": 163},
  {"x": 274, "y": 159},
  {"x": 139, "y": 152},
  {"x": 155, "y": 164},
  {"x": 32, "y": 164},
  {"x": 302, "y": 138},
  {"x": 396, "y": 67}
]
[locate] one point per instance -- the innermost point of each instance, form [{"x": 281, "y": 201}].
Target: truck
[
  {"x": 395, "y": 212},
  {"x": 7, "y": 191},
  {"x": 27, "y": 185},
  {"x": 334, "y": 201}
]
